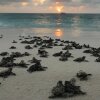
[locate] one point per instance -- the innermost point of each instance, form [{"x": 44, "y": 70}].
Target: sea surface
[{"x": 84, "y": 28}]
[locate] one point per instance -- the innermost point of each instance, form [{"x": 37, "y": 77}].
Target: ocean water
[
  {"x": 50, "y": 21},
  {"x": 79, "y": 27}
]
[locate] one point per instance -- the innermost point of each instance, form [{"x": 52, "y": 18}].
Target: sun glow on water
[{"x": 58, "y": 32}]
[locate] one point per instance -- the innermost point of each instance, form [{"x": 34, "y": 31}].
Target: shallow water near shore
[{"x": 88, "y": 37}]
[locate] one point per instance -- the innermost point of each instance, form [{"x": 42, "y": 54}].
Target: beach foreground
[{"x": 38, "y": 85}]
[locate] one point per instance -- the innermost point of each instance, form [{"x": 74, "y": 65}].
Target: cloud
[
  {"x": 66, "y": 2},
  {"x": 7, "y": 2},
  {"x": 66, "y": 5}
]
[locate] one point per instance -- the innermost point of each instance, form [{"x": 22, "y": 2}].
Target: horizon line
[{"x": 43, "y": 13}]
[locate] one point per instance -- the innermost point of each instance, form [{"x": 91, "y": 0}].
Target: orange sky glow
[{"x": 48, "y": 6}]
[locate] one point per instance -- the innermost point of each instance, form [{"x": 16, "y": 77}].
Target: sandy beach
[{"x": 38, "y": 85}]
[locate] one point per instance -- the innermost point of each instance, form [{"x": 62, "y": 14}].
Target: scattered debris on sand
[
  {"x": 81, "y": 59},
  {"x": 68, "y": 89},
  {"x": 6, "y": 73},
  {"x": 83, "y": 75},
  {"x": 36, "y": 67}
]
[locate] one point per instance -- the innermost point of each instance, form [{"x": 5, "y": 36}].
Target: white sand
[{"x": 37, "y": 86}]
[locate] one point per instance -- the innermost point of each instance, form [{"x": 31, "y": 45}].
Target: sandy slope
[{"x": 37, "y": 86}]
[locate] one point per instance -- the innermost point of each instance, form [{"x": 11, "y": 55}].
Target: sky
[{"x": 49, "y": 6}]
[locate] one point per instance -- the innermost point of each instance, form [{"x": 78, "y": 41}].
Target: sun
[
  {"x": 59, "y": 8},
  {"x": 24, "y": 3}
]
